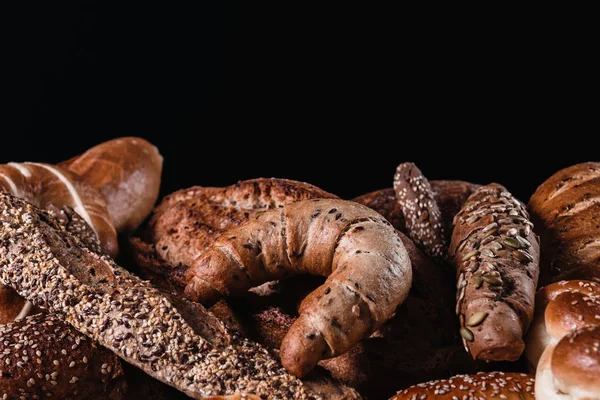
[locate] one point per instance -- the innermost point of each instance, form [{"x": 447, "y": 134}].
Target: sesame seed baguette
[
  {"x": 42, "y": 357},
  {"x": 368, "y": 269},
  {"x": 481, "y": 386},
  {"x": 51, "y": 268},
  {"x": 496, "y": 255},
  {"x": 422, "y": 215}
]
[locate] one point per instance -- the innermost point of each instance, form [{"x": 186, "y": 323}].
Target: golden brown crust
[
  {"x": 186, "y": 222},
  {"x": 42, "y": 356},
  {"x": 127, "y": 172},
  {"x": 481, "y": 386},
  {"x": 44, "y": 184},
  {"x": 561, "y": 308},
  {"x": 570, "y": 368},
  {"x": 496, "y": 254},
  {"x": 565, "y": 212},
  {"x": 368, "y": 269}
]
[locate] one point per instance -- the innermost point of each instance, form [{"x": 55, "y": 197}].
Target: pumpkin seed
[
  {"x": 467, "y": 334},
  {"x": 477, "y": 318},
  {"x": 469, "y": 255},
  {"x": 492, "y": 280},
  {"x": 477, "y": 281},
  {"x": 512, "y": 242}
]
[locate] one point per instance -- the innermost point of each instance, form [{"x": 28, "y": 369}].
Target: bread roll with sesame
[
  {"x": 127, "y": 172},
  {"x": 481, "y": 386},
  {"x": 43, "y": 358},
  {"x": 422, "y": 215},
  {"x": 369, "y": 272},
  {"x": 569, "y": 370},
  {"x": 496, "y": 255},
  {"x": 195, "y": 354},
  {"x": 565, "y": 211},
  {"x": 561, "y": 308},
  {"x": 563, "y": 342}
]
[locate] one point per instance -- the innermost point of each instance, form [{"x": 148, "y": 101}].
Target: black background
[{"x": 334, "y": 95}]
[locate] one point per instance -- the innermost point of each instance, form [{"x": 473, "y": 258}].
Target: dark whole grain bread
[
  {"x": 186, "y": 222},
  {"x": 42, "y": 357},
  {"x": 422, "y": 216},
  {"x": 449, "y": 195},
  {"x": 566, "y": 214},
  {"x": 496, "y": 254},
  {"x": 173, "y": 340}
]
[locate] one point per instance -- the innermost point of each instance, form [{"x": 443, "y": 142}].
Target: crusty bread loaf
[
  {"x": 127, "y": 172},
  {"x": 481, "y": 386},
  {"x": 368, "y": 269},
  {"x": 496, "y": 255},
  {"x": 53, "y": 270},
  {"x": 186, "y": 222},
  {"x": 565, "y": 212},
  {"x": 422, "y": 216},
  {"x": 41, "y": 357}
]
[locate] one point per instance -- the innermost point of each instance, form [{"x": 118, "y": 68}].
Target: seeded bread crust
[
  {"x": 496, "y": 255},
  {"x": 422, "y": 216},
  {"x": 565, "y": 210},
  {"x": 481, "y": 386},
  {"x": 42, "y": 356},
  {"x": 51, "y": 268},
  {"x": 449, "y": 195}
]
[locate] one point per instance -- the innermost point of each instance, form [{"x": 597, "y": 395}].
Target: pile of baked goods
[{"x": 276, "y": 289}]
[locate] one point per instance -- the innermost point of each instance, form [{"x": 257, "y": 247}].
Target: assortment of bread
[{"x": 272, "y": 288}]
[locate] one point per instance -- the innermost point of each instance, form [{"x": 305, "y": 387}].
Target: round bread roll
[
  {"x": 561, "y": 308},
  {"x": 41, "y": 357},
  {"x": 570, "y": 370},
  {"x": 482, "y": 386}
]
